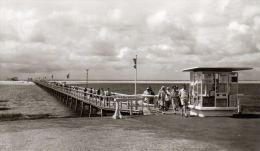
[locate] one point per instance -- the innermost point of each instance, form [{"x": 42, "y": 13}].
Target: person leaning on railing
[
  {"x": 149, "y": 91},
  {"x": 175, "y": 99}
]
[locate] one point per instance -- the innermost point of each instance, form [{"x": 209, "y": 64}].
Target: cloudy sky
[{"x": 45, "y": 37}]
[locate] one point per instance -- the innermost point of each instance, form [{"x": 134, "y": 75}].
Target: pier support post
[
  {"x": 71, "y": 101},
  {"x": 82, "y": 109},
  {"x": 117, "y": 114},
  {"x": 76, "y": 105},
  {"x": 101, "y": 112},
  {"x": 131, "y": 107},
  {"x": 90, "y": 110}
]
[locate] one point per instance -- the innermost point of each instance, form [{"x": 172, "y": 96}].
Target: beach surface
[{"x": 154, "y": 132}]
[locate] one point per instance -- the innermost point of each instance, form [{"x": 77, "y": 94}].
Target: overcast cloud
[{"x": 39, "y": 37}]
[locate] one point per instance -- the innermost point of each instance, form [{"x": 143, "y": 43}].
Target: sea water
[{"x": 28, "y": 101}]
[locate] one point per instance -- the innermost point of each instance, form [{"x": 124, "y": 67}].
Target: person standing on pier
[
  {"x": 146, "y": 92},
  {"x": 85, "y": 92},
  {"x": 161, "y": 98},
  {"x": 91, "y": 92},
  {"x": 175, "y": 99},
  {"x": 184, "y": 100},
  {"x": 167, "y": 98},
  {"x": 149, "y": 91},
  {"x": 101, "y": 93}
]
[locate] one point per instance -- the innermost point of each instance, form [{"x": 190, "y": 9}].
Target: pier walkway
[{"x": 82, "y": 101}]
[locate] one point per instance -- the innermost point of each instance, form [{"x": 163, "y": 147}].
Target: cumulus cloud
[{"x": 57, "y": 37}]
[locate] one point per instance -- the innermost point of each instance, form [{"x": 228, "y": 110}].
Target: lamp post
[
  {"x": 135, "y": 66},
  {"x": 87, "y": 78}
]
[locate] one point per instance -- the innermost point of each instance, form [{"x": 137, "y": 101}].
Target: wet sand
[{"x": 155, "y": 132}]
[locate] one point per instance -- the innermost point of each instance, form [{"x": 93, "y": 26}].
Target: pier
[
  {"x": 91, "y": 104},
  {"x": 82, "y": 102}
]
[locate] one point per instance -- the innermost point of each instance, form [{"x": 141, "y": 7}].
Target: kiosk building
[{"x": 213, "y": 90}]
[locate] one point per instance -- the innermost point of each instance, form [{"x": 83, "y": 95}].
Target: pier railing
[{"x": 120, "y": 103}]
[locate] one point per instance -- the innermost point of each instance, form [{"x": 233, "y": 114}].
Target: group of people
[
  {"x": 99, "y": 92},
  {"x": 177, "y": 97},
  {"x": 168, "y": 96}
]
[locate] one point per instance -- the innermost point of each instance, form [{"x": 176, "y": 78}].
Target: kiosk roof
[{"x": 218, "y": 69}]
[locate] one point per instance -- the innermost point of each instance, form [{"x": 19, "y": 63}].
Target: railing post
[
  {"x": 136, "y": 103},
  {"x": 143, "y": 104},
  {"x": 117, "y": 114},
  {"x": 131, "y": 107},
  {"x": 238, "y": 106}
]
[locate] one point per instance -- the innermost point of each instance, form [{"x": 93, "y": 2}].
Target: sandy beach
[{"x": 155, "y": 132}]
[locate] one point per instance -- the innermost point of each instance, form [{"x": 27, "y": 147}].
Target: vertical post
[
  {"x": 143, "y": 103},
  {"x": 215, "y": 82},
  {"x": 238, "y": 106},
  {"x": 82, "y": 109},
  {"x": 76, "y": 105},
  {"x": 135, "y": 81},
  {"x": 117, "y": 114},
  {"x": 87, "y": 78},
  {"x": 90, "y": 110},
  {"x": 237, "y": 91},
  {"x": 131, "y": 107},
  {"x": 71, "y": 102},
  {"x": 135, "y": 72}
]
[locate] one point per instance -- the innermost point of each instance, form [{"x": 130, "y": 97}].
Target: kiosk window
[{"x": 234, "y": 79}]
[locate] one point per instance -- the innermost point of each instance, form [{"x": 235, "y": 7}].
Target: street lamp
[{"x": 87, "y": 78}]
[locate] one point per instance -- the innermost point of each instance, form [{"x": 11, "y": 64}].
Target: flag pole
[
  {"x": 135, "y": 73},
  {"x": 87, "y": 78}
]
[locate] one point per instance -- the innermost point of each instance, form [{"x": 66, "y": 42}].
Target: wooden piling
[
  {"x": 76, "y": 105},
  {"x": 90, "y": 110},
  {"x": 71, "y": 102},
  {"x": 82, "y": 109},
  {"x": 131, "y": 107}
]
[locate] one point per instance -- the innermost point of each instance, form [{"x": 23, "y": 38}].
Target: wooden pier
[{"x": 81, "y": 101}]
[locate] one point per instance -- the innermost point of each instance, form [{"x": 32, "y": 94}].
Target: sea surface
[{"x": 28, "y": 101}]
